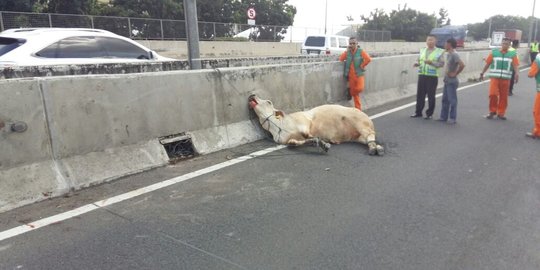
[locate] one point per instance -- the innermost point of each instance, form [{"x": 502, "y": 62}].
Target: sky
[{"x": 311, "y": 13}]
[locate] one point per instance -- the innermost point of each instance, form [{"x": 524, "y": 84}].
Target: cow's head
[{"x": 263, "y": 108}]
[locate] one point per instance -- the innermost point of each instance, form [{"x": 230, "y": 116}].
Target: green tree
[
  {"x": 220, "y": 11},
  {"x": 377, "y": 20},
  {"x": 224, "y": 12},
  {"x": 407, "y": 24},
  {"x": 270, "y": 13},
  {"x": 481, "y": 30},
  {"x": 443, "y": 18},
  {"x": 411, "y": 25},
  {"x": 17, "y": 5},
  {"x": 143, "y": 28},
  {"x": 68, "y": 6},
  {"x": 163, "y": 9}
]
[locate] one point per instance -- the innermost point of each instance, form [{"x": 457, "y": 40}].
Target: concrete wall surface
[
  {"x": 212, "y": 49},
  {"x": 86, "y": 130},
  {"x": 232, "y": 49}
]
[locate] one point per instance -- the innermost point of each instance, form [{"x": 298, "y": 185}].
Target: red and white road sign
[{"x": 251, "y": 13}]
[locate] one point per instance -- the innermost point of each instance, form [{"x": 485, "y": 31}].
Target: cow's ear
[{"x": 279, "y": 114}]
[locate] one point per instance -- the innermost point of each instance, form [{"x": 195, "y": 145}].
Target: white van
[{"x": 324, "y": 44}]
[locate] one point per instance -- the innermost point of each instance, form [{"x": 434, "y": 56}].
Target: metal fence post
[
  {"x": 1, "y": 22},
  {"x": 92, "y": 21},
  {"x": 129, "y": 27},
  {"x": 50, "y": 20},
  {"x": 162, "y": 33},
  {"x": 214, "y": 35}
]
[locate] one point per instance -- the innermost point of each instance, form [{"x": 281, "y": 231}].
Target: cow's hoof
[
  {"x": 324, "y": 145},
  {"x": 372, "y": 151},
  {"x": 380, "y": 150}
]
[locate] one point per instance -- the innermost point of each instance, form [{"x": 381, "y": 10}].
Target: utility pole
[
  {"x": 531, "y": 27},
  {"x": 192, "y": 30},
  {"x": 535, "y": 28},
  {"x": 326, "y": 15},
  {"x": 489, "y": 29}
]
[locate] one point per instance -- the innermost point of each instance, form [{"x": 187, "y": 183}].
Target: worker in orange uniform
[
  {"x": 500, "y": 74},
  {"x": 356, "y": 61},
  {"x": 534, "y": 73}
]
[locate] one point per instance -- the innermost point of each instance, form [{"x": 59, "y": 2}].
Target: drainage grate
[{"x": 178, "y": 147}]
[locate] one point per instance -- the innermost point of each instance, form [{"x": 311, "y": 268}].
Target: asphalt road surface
[{"x": 464, "y": 196}]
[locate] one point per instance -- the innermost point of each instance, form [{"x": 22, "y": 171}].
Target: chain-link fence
[
  {"x": 143, "y": 28},
  {"x": 373, "y": 35}
]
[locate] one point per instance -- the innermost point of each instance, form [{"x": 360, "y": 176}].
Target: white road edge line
[
  {"x": 375, "y": 116},
  {"x": 122, "y": 197},
  {"x": 131, "y": 194}
]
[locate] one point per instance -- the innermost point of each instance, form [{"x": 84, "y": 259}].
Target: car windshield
[
  {"x": 315, "y": 41},
  {"x": 8, "y": 44}
]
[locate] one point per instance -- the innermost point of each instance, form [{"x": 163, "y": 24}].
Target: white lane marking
[
  {"x": 46, "y": 221},
  {"x": 414, "y": 103},
  {"x": 122, "y": 197},
  {"x": 438, "y": 95}
]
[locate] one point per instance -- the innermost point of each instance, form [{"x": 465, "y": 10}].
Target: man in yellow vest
[
  {"x": 429, "y": 62},
  {"x": 500, "y": 62},
  {"x": 533, "y": 51}
]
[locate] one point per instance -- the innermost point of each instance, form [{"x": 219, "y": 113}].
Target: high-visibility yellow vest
[
  {"x": 534, "y": 47},
  {"x": 429, "y": 70}
]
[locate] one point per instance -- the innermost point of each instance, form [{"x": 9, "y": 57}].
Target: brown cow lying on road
[{"x": 319, "y": 126}]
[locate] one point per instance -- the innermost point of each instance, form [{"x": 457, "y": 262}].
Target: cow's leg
[
  {"x": 310, "y": 141},
  {"x": 322, "y": 144},
  {"x": 373, "y": 147}
]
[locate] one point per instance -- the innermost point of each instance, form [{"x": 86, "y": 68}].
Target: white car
[
  {"x": 70, "y": 46},
  {"x": 325, "y": 44}
]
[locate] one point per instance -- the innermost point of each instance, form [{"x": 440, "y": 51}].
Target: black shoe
[
  {"x": 416, "y": 115},
  {"x": 490, "y": 115},
  {"x": 428, "y": 117},
  {"x": 502, "y": 117}
]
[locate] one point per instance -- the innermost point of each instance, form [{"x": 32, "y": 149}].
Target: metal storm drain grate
[{"x": 178, "y": 146}]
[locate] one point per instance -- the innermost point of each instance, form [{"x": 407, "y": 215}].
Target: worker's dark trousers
[
  {"x": 427, "y": 85},
  {"x": 533, "y": 56}
]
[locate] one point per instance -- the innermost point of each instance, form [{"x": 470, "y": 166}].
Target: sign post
[{"x": 251, "y": 14}]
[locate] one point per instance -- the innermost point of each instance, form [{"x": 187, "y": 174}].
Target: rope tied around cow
[{"x": 267, "y": 119}]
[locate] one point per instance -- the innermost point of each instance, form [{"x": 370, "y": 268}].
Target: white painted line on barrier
[{"x": 129, "y": 195}]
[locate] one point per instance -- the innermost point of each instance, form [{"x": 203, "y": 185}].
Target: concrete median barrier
[{"x": 27, "y": 171}]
